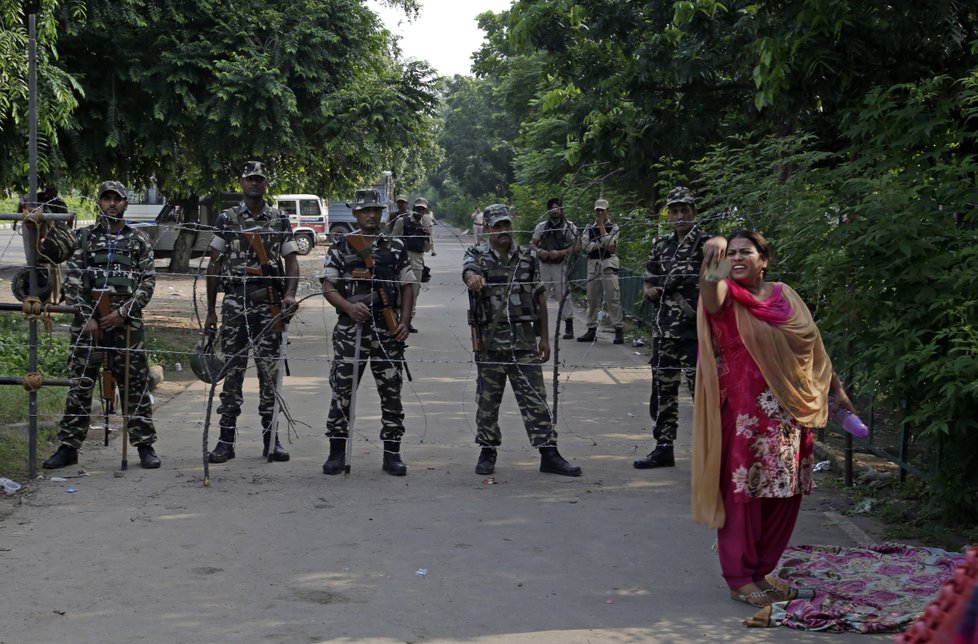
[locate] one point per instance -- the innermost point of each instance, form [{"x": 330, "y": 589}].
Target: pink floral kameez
[{"x": 766, "y": 454}]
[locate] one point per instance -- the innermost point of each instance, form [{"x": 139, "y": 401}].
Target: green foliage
[
  {"x": 184, "y": 92},
  {"x": 58, "y": 91},
  {"x": 477, "y": 138},
  {"x": 52, "y": 355},
  {"x": 52, "y": 363}
]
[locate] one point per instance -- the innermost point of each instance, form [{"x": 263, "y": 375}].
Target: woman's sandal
[{"x": 757, "y": 598}]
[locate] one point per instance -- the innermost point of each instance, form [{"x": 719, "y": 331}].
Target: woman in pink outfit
[{"x": 762, "y": 385}]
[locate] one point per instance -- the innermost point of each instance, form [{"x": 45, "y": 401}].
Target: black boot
[
  {"x": 278, "y": 452},
  {"x": 147, "y": 457},
  {"x": 63, "y": 457},
  {"x": 487, "y": 461},
  {"x": 568, "y": 329},
  {"x": 661, "y": 456},
  {"x": 619, "y": 336},
  {"x": 552, "y": 462},
  {"x": 589, "y": 336},
  {"x": 392, "y": 459},
  {"x": 225, "y": 447},
  {"x": 336, "y": 460}
]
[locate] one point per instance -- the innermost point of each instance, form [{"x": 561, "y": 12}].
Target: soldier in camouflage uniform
[
  {"x": 510, "y": 308},
  {"x": 110, "y": 256},
  {"x": 355, "y": 292},
  {"x": 672, "y": 282},
  {"x": 555, "y": 240},
  {"x": 247, "y": 320}
]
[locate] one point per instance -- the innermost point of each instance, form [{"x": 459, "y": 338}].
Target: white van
[{"x": 309, "y": 217}]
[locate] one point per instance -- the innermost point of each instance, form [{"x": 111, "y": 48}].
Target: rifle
[
  {"x": 359, "y": 244},
  {"x": 269, "y": 270},
  {"x": 103, "y": 305},
  {"x": 474, "y": 322}
]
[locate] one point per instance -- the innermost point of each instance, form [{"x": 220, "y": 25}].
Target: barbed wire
[{"x": 572, "y": 368}]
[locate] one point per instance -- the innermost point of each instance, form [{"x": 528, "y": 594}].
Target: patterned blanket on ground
[{"x": 876, "y": 589}]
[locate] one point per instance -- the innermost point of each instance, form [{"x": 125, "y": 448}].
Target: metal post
[{"x": 30, "y": 237}]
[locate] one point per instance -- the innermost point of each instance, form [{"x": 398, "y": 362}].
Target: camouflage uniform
[
  {"x": 506, "y": 315},
  {"x": 602, "y": 273},
  {"x": 392, "y": 268},
  {"x": 123, "y": 263},
  {"x": 246, "y": 317},
  {"x": 555, "y": 275},
  {"x": 673, "y": 266}
]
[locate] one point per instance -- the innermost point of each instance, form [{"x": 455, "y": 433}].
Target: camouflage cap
[
  {"x": 680, "y": 194},
  {"x": 601, "y": 204},
  {"x": 401, "y": 198},
  {"x": 367, "y": 199},
  {"x": 113, "y": 186},
  {"x": 421, "y": 202},
  {"x": 496, "y": 213},
  {"x": 253, "y": 169}
]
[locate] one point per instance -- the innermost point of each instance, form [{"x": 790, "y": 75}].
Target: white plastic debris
[
  {"x": 822, "y": 466},
  {"x": 9, "y": 486},
  {"x": 864, "y": 506},
  {"x": 422, "y": 572}
]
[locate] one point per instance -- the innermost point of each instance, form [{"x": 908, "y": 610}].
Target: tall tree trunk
[{"x": 184, "y": 243}]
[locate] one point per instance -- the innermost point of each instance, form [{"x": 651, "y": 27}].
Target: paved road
[
  {"x": 11, "y": 249},
  {"x": 281, "y": 552}
]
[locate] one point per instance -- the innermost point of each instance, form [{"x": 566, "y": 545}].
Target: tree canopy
[{"x": 183, "y": 92}]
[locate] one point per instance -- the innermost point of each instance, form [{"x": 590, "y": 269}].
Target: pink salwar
[{"x": 755, "y": 533}]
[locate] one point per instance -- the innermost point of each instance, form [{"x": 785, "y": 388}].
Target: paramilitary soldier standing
[
  {"x": 110, "y": 257},
  {"x": 555, "y": 240},
  {"x": 672, "y": 281},
  {"x": 247, "y": 317},
  {"x": 359, "y": 295},
  {"x": 600, "y": 242},
  {"x": 510, "y": 311}
]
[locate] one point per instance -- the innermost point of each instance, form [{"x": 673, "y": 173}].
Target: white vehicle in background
[{"x": 309, "y": 217}]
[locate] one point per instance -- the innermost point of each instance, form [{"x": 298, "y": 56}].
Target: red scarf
[{"x": 775, "y": 310}]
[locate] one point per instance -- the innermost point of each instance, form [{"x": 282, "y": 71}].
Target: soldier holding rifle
[
  {"x": 253, "y": 260},
  {"x": 112, "y": 265},
  {"x": 368, "y": 279},
  {"x": 508, "y": 307}
]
